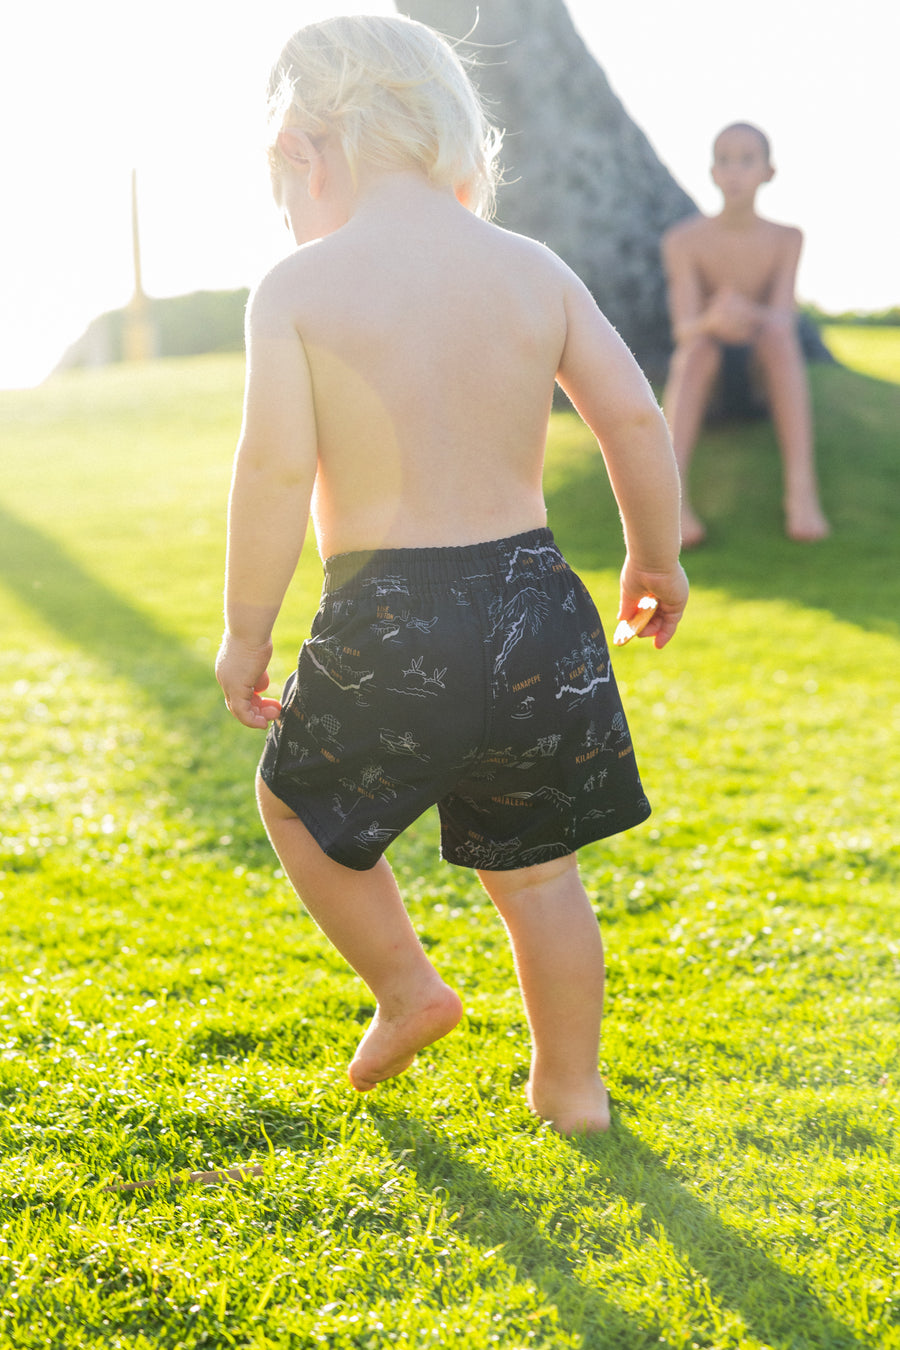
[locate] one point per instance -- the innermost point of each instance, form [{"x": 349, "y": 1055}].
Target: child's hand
[
  {"x": 732, "y": 317},
  {"x": 242, "y": 673},
  {"x": 670, "y": 589}
]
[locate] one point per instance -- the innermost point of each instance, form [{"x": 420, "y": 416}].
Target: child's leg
[
  {"x": 559, "y": 961},
  {"x": 363, "y": 914},
  {"x": 778, "y": 350},
  {"x": 692, "y": 374}
]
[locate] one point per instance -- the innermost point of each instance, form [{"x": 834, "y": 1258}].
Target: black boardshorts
[{"x": 477, "y": 678}]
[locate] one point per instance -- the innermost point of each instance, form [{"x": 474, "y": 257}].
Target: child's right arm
[
  {"x": 683, "y": 290},
  {"x": 609, "y": 391},
  {"x": 268, "y": 511}
]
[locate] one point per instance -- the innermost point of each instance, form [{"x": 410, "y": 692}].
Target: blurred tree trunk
[{"x": 581, "y": 176}]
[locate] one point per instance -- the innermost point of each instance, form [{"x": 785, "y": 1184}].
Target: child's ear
[{"x": 302, "y": 153}]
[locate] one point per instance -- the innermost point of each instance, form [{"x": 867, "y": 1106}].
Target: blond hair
[{"x": 395, "y": 94}]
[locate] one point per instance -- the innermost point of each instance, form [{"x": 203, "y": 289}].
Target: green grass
[
  {"x": 872, "y": 350},
  {"x": 165, "y": 1005}
]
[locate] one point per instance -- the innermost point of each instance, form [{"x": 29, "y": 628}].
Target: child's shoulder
[
  {"x": 686, "y": 233},
  {"x": 781, "y": 243},
  {"x": 305, "y": 260},
  {"x": 326, "y": 267},
  {"x": 527, "y": 252},
  {"x": 272, "y": 288},
  {"x": 306, "y": 279},
  {"x": 687, "y": 226},
  {"x": 784, "y": 234}
]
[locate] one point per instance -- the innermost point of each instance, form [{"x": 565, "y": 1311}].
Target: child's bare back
[
  {"x": 432, "y": 351},
  {"x": 433, "y": 340}
]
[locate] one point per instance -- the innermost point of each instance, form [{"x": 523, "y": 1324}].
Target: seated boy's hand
[
  {"x": 242, "y": 672},
  {"x": 732, "y": 317}
]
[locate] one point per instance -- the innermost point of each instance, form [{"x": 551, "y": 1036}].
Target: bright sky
[{"x": 175, "y": 88}]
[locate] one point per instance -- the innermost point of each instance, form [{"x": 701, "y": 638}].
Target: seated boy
[
  {"x": 401, "y": 367},
  {"x": 731, "y": 283}
]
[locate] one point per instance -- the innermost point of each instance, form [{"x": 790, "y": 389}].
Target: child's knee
[
  {"x": 517, "y": 880},
  {"x": 778, "y": 336},
  {"x": 699, "y": 356}
]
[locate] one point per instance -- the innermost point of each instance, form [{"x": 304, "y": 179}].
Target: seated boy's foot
[
  {"x": 391, "y": 1043},
  {"x": 693, "y": 531},
  {"x": 806, "y": 523},
  {"x": 583, "y": 1110}
]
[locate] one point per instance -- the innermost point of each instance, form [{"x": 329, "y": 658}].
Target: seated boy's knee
[
  {"x": 701, "y": 353},
  {"x": 778, "y": 333}
]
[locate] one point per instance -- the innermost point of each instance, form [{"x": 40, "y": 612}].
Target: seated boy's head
[
  {"x": 742, "y": 159},
  {"x": 394, "y": 94}
]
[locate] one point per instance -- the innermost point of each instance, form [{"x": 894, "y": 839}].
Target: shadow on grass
[
  {"x": 736, "y": 484},
  {"x": 179, "y": 684},
  {"x": 491, "y": 1217},
  {"x": 778, "y": 1308},
  {"x": 36, "y": 569}
]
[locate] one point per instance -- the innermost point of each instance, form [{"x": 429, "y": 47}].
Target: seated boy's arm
[
  {"x": 268, "y": 510},
  {"x": 683, "y": 288},
  {"x": 608, "y": 389},
  {"x": 781, "y": 304}
]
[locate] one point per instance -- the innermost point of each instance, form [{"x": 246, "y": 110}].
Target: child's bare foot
[
  {"x": 583, "y": 1110},
  {"x": 391, "y": 1043},
  {"x": 806, "y": 523},
  {"x": 693, "y": 531}
]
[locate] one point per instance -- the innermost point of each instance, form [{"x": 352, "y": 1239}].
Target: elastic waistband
[{"x": 534, "y": 550}]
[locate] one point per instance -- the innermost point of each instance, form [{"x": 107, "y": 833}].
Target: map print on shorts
[{"x": 477, "y": 678}]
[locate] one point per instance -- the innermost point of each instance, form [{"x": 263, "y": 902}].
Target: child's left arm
[
  {"x": 268, "y": 511},
  {"x": 781, "y": 301}
]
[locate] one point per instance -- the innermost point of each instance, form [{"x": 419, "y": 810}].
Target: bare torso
[
  {"x": 432, "y": 353},
  {"x": 750, "y": 259},
  {"x": 400, "y": 378}
]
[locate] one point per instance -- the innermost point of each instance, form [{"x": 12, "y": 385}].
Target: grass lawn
[
  {"x": 873, "y": 350},
  {"x": 165, "y": 1007}
]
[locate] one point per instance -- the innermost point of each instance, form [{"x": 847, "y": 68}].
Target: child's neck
[
  {"x": 405, "y": 189},
  {"x": 738, "y": 215}
]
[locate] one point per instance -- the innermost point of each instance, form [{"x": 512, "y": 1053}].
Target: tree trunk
[{"x": 581, "y": 176}]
